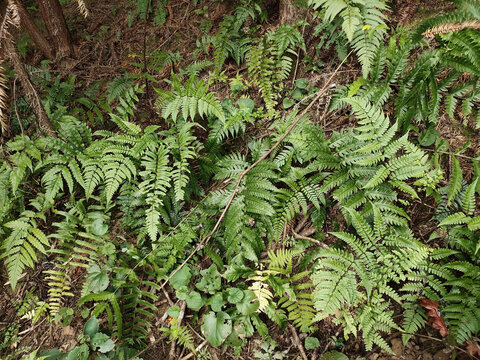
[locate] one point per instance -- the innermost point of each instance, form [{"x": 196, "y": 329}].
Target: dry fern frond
[
  {"x": 14, "y": 13},
  {"x": 10, "y": 18},
  {"x": 82, "y": 8},
  {"x": 451, "y": 27},
  {"x": 4, "y": 119}
]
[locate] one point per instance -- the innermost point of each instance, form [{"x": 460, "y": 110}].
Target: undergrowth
[{"x": 109, "y": 209}]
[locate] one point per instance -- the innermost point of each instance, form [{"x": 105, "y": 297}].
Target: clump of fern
[
  {"x": 371, "y": 166},
  {"x": 270, "y": 62},
  {"x": 231, "y": 40},
  {"x": 356, "y": 282},
  {"x": 456, "y": 216},
  {"x": 363, "y": 24}
]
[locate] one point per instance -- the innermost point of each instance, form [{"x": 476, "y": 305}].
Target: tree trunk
[
  {"x": 52, "y": 15},
  {"x": 43, "y": 122},
  {"x": 289, "y": 13},
  {"x": 29, "y": 26}
]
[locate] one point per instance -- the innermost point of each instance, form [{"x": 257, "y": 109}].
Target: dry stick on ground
[
  {"x": 205, "y": 240},
  {"x": 315, "y": 241},
  {"x": 197, "y": 349},
  {"x": 298, "y": 342},
  {"x": 181, "y": 314}
]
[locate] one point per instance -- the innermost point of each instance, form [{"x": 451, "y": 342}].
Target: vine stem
[
  {"x": 206, "y": 239},
  {"x": 451, "y": 153}
]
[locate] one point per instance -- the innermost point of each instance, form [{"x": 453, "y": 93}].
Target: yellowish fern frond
[
  {"x": 4, "y": 120},
  {"x": 14, "y": 13},
  {"x": 261, "y": 289},
  {"x": 262, "y": 293},
  {"x": 451, "y": 27},
  {"x": 82, "y": 8},
  {"x": 11, "y": 18}
]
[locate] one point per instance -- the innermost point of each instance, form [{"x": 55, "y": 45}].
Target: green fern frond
[
  {"x": 189, "y": 100},
  {"x": 156, "y": 182},
  {"x": 21, "y": 247},
  {"x": 117, "y": 169},
  {"x": 456, "y": 179}
]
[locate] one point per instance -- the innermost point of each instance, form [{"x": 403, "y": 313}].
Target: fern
[
  {"x": 81, "y": 246},
  {"x": 293, "y": 289},
  {"x": 117, "y": 169},
  {"x": 370, "y": 167},
  {"x": 117, "y": 87},
  {"x": 252, "y": 203},
  {"x": 154, "y": 186},
  {"x": 20, "y": 249},
  {"x": 103, "y": 299},
  {"x": 137, "y": 307},
  {"x": 295, "y": 198},
  {"x": 354, "y": 284},
  {"x": 230, "y": 39},
  {"x": 459, "y": 291},
  {"x": 186, "y": 149},
  {"x": 179, "y": 333},
  {"x": 362, "y": 22},
  {"x": 169, "y": 249},
  {"x": 190, "y": 99},
  {"x": 269, "y": 64}
]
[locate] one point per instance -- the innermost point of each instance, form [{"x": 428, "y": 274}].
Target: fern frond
[
  {"x": 4, "y": 120},
  {"x": 190, "y": 99},
  {"x": 456, "y": 179},
  {"x": 446, "y": 28},
  {"x": 82, "y": 8},
  {"x": 156, "y": 181},
  {"x": 20, "y": 248}
]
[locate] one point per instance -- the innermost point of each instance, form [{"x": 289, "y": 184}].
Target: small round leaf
[{"x": 91, "y": 326}]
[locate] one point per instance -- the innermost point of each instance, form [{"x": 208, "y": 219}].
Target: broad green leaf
[
  {"x": 311, "y": 343},
  {"x": 194, "y": 301},
  {"x": 235, "y": 295},
  {"x": 91, "y": 326},
  {"x": 173, "y": 311},
  {"x": 217, "y": 302},
  {"x": 102, "y": 342},
  {"x": 334, "y": 355},
  {"x": 249, "y": 304},
  {"x": 181, "y": 278},
  {"x": 216, "y": 327}
]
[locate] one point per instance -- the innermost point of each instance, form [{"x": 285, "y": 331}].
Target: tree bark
[
  {"x": 43, "y": 122},
  {"x": 29, "y": 26},
  {"x": 52, "y": 15},
  {"x": 289, "y": 13}
]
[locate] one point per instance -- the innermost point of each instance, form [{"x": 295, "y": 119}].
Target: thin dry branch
[
  {"x": 183, "y": 306},
  {"x": 315, "y": 241},
  {"x": 297, "y": 341},
  {"x": 198, "y": 348},
  {"x": 206, "y": 239}
]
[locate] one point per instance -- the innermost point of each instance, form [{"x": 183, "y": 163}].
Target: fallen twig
[
  {"x": 183, "y": 305},
  {"x": 192, "y": 354},
  {"x": 297, "y": 341},
  {"x": 315, "y": 241}
]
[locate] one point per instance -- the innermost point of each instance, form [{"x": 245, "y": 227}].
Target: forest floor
[{"x": 110, "y": 47}]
